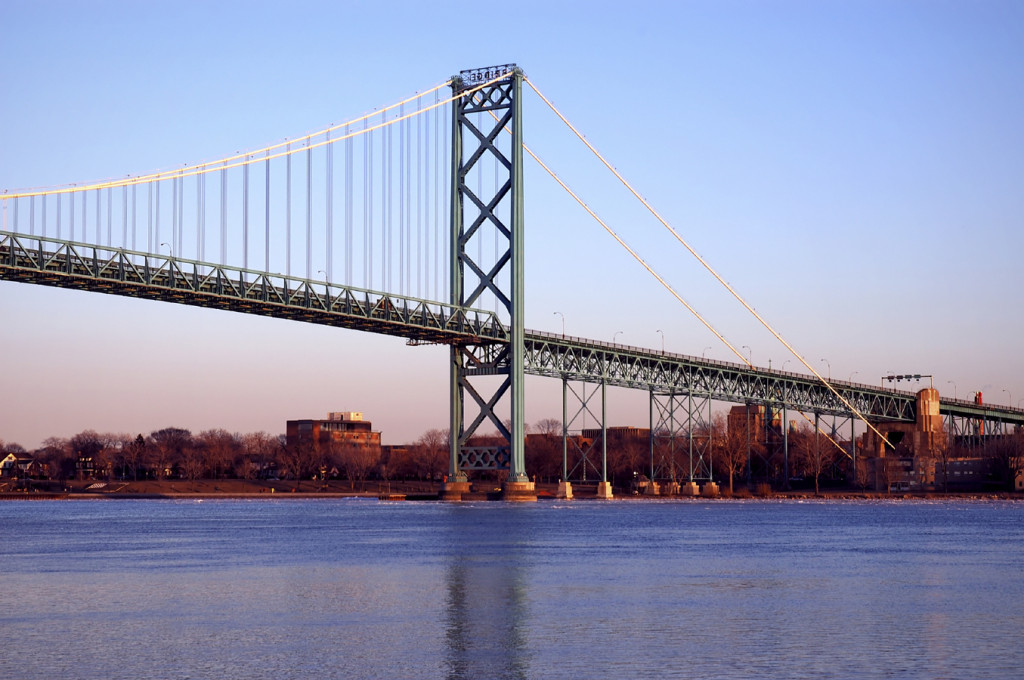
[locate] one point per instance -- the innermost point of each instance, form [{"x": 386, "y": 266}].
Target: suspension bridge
[{"x": 409, "y": 221}]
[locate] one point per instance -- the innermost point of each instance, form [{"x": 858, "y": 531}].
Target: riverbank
[{"x": 400, "y": 490}]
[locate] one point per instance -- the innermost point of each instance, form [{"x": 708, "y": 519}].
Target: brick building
[{"x": 344, "y": 428}]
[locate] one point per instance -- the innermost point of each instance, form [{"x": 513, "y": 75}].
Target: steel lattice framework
[
  {"x": 479, "y": 119},
  {"x": 553, "y": 355},
  {"x": 66, "y": 264}
]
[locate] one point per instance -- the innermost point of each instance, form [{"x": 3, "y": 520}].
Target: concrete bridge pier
[{"x": 922, "y": 440}]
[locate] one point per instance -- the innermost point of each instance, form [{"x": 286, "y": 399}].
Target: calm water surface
[{"x": 364, "y": 589}]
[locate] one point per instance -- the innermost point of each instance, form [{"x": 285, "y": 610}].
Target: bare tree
[
  {"x": 219, "y": 448},
  {"x": 737, "y": 439},
  {"x": 814, "y": 452},
  {"x": 1006, "y": 456},
  {"x": 256, "y": 454},
  {"x": 359, "y": 461},
  {"x": 134, "y": 454},
  {"x": 168, "y": 447},
  {"x": 297, "y": 459},
  {"x": 432, "y": 453}
]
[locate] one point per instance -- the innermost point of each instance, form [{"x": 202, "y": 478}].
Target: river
[{"x": 358, "y": 588}]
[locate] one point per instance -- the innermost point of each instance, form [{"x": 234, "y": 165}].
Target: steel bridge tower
[{"x": 490, "y": 374}]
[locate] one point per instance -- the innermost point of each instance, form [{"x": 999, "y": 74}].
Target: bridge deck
[{"x": 66, "y": 264}]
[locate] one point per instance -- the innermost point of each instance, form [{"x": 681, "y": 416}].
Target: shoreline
[
  {"x": 545, "y": 492},
  {"x": 424, "y": 491}
]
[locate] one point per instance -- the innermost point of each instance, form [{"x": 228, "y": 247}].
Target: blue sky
[{"x": 854, "y": 169}]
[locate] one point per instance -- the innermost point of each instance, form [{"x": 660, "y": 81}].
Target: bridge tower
[{"x": 491, "y": 374}]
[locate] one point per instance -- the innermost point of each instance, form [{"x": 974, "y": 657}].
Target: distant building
[{"x": 343, "y": 427}]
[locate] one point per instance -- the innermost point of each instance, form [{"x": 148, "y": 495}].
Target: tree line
[{"x": 177, "y": 453}]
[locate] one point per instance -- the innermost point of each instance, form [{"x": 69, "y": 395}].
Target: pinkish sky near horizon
[{"x": 853, "y": 169}]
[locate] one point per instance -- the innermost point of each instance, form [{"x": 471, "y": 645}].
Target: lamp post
[
  {"x": 169, "y": 249},
  {"x": 850, "y": 379},
  {"x": 784, "y": 364},
  {"x": 829, "y": 369},
  {"x": 950, "y": 382},
  {"x": 1009, "y": 396},
  {"x": 705, "y": 351},
  {"x": 563, "y": 323},
  {"x": 750, "y": 354},
  {"x": 615, "y": 335},
  {"x": 662, "y": 340}
]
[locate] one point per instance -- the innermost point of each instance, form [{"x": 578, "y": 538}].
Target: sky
[{"x": 853, "y": 169}]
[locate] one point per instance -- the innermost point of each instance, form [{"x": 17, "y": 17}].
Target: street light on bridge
[
  {"x": 615, "y": 335},
  {"x": 827, "y": 363},
  {"x": 948, "y": 382},
  {"x": 706, "y": 349},
  {"x": 750, "y": 354},
  {"x": 563, "y": 323},
  {"x": 1009, "y": 396},
  {"x": 662, "y": 339},
  {"x": 169, "y": 248}
]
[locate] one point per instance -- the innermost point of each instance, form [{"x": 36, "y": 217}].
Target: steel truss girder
[
  {"x": 974, "y": 430},
  {"x": 68, "y": 264},
  {"x": 485, "y": 114},
  {"x": 694, "y": 428},
  {"x": 582, "y": 398},
  {"x": 549, "y": 354},
  {"x": 666, "y": 435}
]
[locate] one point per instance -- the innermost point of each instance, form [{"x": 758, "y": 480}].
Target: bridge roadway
[{"x": 66, "y": 264}]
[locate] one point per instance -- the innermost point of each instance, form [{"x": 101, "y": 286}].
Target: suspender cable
[
  {"x": 309, "y": 211},
  {"x": 124, "y": 216},
  {"x": 174, "y": 213},
  {"x": 181, "y": 217},
  {"x": 223, "y": 214},
  {"x": 349, "y": 208},
  {"x": 329, "y": 206},
  {"x": 383, "y": 208},
  {"x": 421, "y": 207},
  {"x": 135, "y": 215},
  {"x": 407, "y": 198},
  {"x": 368, "y": 209},
  {"x": 149, "y": 223},
  {"x": 266, "y": 214},
  {"x": 288, "y": 213},
  {"x": 245, "y": 216},
  {"x": 200, "y": 217},
  {"x": 401, "y": 201},
  {"x": 158, "y": 237},
  {"x": 437, "y": 203}
]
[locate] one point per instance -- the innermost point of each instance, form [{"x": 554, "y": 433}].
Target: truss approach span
[
  {"x": 579, "y": 359},
  {"x": 67, "y": 264}
]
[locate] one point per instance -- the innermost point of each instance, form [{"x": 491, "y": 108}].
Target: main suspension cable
[{"x": 708, "y": 267}]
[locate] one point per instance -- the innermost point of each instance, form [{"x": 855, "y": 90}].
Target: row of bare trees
[{"x": 218, "y": 454}]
